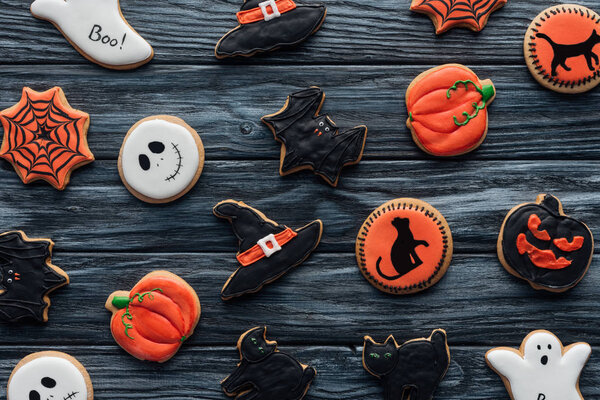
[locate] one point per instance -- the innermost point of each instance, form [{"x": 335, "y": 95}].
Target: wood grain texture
[{"x": 222, "y": 102}]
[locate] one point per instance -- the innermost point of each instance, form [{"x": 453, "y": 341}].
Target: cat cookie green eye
[
  {"x": 387, "y": 355},
  {"x": 374, "y": 355}
]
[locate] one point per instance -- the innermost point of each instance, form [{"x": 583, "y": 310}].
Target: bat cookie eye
[
  {"x": 327, "y": 129},
  {"x": 9, "y": 280},
  {"x": 10, "y": 271},
  {"x": 321, "y": 123}
]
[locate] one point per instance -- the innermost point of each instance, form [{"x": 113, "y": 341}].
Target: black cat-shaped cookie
[
  {"x": 265, "y": 373},
  {"x": 412, "y": 370}
]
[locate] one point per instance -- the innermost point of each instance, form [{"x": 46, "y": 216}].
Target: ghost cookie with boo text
[
  {"x": 404, "y": 246},
  {"x": 541, "y": 369},
  {"x": 161, "y": 159},
  {"x": 539, "y": 243},
  {"x": 49, "y": 375},
  {"x": 97, "y": 30}
]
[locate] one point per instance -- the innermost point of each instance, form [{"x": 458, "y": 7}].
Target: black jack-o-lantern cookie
[
  {"x": 265, "y": 373},
  {"x": 49, "y": 375},
  {"x": 27, "y": 277},
  {"x": 562, "y": 48},
  {"x": 404, "y": 246},
  {"x": 542, "y": 245},
  {"x": 267, "y": 250},
  {"x": 312, "y": 141},
  {"x": 268, "y": 25},
  {"x": 161, "y": 159},
  {"x": 412, "y": 370}
]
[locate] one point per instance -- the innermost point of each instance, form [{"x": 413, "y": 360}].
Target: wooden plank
[
  {"x": 326, "y": 301},
  {"x": 97, "y": 212},
  {"x": 526, "y": 121},
  {"x": 195, "y": 373},
  {"x": 186, "y": 31}
]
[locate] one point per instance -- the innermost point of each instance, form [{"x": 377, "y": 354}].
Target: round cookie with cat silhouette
[
  {"x": 562, "y": 48},
  {"x": 404, "y": 246}
]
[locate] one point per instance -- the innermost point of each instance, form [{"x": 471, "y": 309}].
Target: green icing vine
[
  {"x": 487, "y": 92},
  {"x": 125, "y": 302}
]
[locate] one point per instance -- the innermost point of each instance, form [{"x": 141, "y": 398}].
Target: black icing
[
  {"x": 413, "y": 370},
  {"x": 26, "y": 277},
  {"x": 156, "y": 147},
  {"x": 265, "y": 373},
  {"x": 48, "y": 382},
  {"x": 325, "y": 153},
  {"x": 558, "y": 226},
  {"x": 249, "y": 227},
  {"x": 34, "y": 395},
  {"x": 289, "y": 29}
]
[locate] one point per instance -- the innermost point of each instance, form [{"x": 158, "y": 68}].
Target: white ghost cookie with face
[
  {"x": 161, "y": 159},
  {"x": 542, "y": 369},
  {"x": 49, "y": 375},
  {"x": 98, "y": 30}
]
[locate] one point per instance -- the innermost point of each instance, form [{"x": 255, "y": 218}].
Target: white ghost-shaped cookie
[
  {"x": 98, "y": 30},
  {"x": 542, "y": 369}
]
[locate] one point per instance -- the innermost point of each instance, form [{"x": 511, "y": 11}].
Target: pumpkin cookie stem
[
  {"x": 121, "y": 302},
  {"x": 487, "y": 92}
]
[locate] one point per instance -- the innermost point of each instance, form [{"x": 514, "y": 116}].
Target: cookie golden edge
[{"x": 445, "y": 265}]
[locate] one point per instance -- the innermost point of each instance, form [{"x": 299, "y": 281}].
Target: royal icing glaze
[
  {"x": 312, "y": 141},
  {"x": 267, "y": 250},
  {"x": 413, "y": 370},
  {"x": 27, "y": 277},
  {"x": 44, "y": 138},
  {"x": 268, "y": 25},
  {"x": 562, "y": 48},
  {"x": 542, "y": 369},
  {"x": 447, "y": 110},
  {"x": 266, "y": 373},
  {"x": 98, "y": 30},
  {"x": 49, "y": 375},
  {"x": 404, "y": 246},
  {"x": 448, "y": 14},
  {"x": 152, "y": 321},
  {"x": 161, "y": 158},
  {"x": 542, "y": 245}
]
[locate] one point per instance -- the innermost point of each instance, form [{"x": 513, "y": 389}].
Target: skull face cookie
[
  {"x": 49, "y": 375},
  {"x": 161, "y": 159},
  {"x": 542, "y": 368}
]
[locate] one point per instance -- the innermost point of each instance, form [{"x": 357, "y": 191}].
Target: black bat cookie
[
  {"x": 265, "y": 373},
  {"x": 27, "y": 277},
  {"x": 312, "y": 141}
]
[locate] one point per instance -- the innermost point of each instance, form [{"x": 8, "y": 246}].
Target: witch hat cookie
[
  {"x": 268, "y": 25},
  {"x": 267, "y": 250}
]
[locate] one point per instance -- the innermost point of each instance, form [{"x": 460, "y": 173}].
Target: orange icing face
[
  {"x": 44, "y": 138},
  {"x": 404, "y": 246},
  {"x": 563, "y": 44}
]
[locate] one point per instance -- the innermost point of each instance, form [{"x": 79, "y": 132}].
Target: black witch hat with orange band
[
  {"x": 267, "y": 250},
  {"x": 268, "y": 25}
]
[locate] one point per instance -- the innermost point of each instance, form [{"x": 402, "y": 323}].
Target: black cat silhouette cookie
[
  {"x": 404, "y": 246},
  {"x": 562, "y": 48},
  {"x": 312, "y": 141},
  {"x": 267, "y": 250},
  {"x": 410, "y": 371},
  {"x": 265, "y": 373}
]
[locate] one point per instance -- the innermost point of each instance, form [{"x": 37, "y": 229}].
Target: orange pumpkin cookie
[
  {"x": 447, "y": 110},
  {"x": 562, "y": 48},
  {"x": 44, "y": 138},
  {"x": 152, "y": 320},
  {"x": 404, "y": 246},
  {"x": 448, "y": 14}
]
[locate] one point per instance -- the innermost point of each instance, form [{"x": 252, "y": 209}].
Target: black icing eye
[
  {"x": 156, "y": 147},
  {"x": 144, "y": 162},
  {"x": 34, "y": 395},
  {"x": 549, "y": 347},
  {"x": 539, "y": 347},
  {"x": 48, "y": 382}
]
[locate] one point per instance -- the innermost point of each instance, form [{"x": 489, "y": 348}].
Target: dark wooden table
[{"x": 364, "y": 57}]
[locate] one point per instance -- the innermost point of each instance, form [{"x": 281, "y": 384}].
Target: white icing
[
  {"x": 530, "y": 379},
  {"x": 67, "y": 378},
  {"x": 170, "y": 171},
  {"x": 97, "y": 28}
]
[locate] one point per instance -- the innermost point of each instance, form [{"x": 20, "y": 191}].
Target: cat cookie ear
[
  {"x": 391, "y": 338},
  {"x": 369, "y": 339}
]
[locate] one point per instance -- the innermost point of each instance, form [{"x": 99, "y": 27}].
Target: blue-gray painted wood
[{"x": 364, "y": 57}]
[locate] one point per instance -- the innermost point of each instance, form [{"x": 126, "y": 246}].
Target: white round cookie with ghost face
[
  {"x": 161, "y": 159},
  {"x": 49, "y": 375}
]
